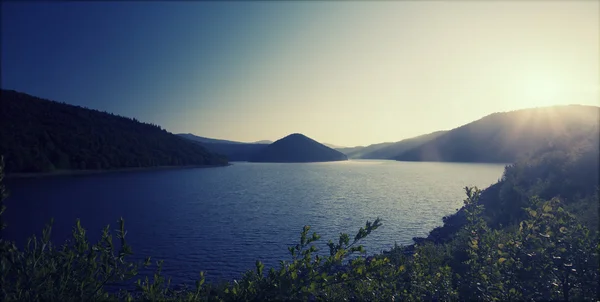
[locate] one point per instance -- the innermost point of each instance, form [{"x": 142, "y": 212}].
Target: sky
[{"x": 344, "y": 73}]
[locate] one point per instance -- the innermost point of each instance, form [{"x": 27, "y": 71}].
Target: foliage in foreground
[{"x": 548, "y": 256}]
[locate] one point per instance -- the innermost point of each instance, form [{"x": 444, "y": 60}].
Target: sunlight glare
[{"x": 542, "y": 91}]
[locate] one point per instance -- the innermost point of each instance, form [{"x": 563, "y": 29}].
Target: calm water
[{"x": 220, "y": 220}]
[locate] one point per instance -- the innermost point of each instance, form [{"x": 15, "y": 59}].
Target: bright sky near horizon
[{"x": 352, "y": 73}]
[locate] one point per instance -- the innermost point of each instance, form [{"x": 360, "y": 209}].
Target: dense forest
[
  {"x": 297, "y": 147},
  {"x": 533, "y": 236},
  {"x": 505, "y": 137},
  {"x": 38, "y": 135}
]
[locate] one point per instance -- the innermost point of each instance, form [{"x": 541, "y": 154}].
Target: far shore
[{"x": 104, "y": 171}]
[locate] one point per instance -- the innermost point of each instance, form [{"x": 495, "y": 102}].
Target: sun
[{"x": 543, "y": 90}]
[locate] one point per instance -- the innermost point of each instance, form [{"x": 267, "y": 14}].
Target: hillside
[
  {"x": 38, "y": 135},
  {"x": 332, "y": 146},
  {"x": 297, "y": 148},
  {"x": 506, "y": 137},
  {"x": 389, "y": 151},
  {"x": 359, "y": 151},
  {"x": 234, "y": 151},
  {"x": 201, "y": 139},
  {"x": 568, "y": 170}
]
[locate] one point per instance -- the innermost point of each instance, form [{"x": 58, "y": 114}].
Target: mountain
[
  {"x": 297, "y": 148},
  {"x": 38, "y": 135},
  {"x": 507, "y": 136},
  {"x": 206, "y": 139},
  {"x": 264, "y": 142},
  {"x": 332, "y": 146},
  {"x": 568, "y": 169},
  {"x": 201, "y": 139},
  {"x": 359, "y": 151},
  {"x": 389, "y": 151},
  {"x": 234, "y": 151}
]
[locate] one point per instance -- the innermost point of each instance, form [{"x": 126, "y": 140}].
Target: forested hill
[
  {"x": 506, "y": 137},
  {"x": 394, "y": 149},
  {"x": 38, "y": 135},
  {"x": 297, "y": 148},
  {"x": 568, "y": 170}
]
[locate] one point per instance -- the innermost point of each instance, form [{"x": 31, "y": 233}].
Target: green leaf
[
  {"x": 501, "y": 260},
  {"x": 547, "y": 208},
  {"x": 563, "y": 230}
]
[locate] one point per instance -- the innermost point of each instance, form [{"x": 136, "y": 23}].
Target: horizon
[
  {"x": 326, "y": 143},
  {"x": 351, "y": 74}
]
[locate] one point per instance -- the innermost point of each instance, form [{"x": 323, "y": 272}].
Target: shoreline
[{"x": 105, "y": 171}]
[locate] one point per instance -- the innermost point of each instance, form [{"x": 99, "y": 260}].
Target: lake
[{"x": 221, "y": 220}]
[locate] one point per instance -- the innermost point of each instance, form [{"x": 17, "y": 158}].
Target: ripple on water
[{"x": 222, "y": 220}]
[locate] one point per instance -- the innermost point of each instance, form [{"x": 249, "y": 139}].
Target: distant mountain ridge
[
  {"x": 392, "y": 150},
  {"x": 297, "y": 148},
  {"x": 388, "y": 150},
  {"x": 234, "y": 151},
  {"x": 332, "y": 146},
  {"x": 202, "y": 139},
  {"x": 507, "y": 136},
  {"x": 39, "y": 135},
  {"x": 206, "y": 139},
  {"x": 358, "y": 151}
]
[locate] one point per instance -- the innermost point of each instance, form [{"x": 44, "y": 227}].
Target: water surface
[{"x": 221, "y": 220}]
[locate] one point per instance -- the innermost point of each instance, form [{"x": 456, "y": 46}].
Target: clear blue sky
[{"x": 349, "y": 74}]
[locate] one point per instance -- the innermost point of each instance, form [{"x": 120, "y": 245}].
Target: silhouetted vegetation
[
  {"x": 297, "y": 148},
  {"x": 516, "y": 240},
  {"x": 38, "y": 135},
  {"x": 569, "y": 170},
  {"x": 508, "y": 136}
]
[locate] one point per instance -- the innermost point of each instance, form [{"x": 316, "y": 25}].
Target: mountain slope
[
  {"x": 568, "y": 169},
  {"x": 234, "y": 151},
  {"x": 359, "y": 151},
  {"x": 206, "y": 139},
  {"x": 38, "y": 135},
  {"x": 297, "y": 148},
  {"x": 332, "y": 146},
  {"x": 508, "y": 136},
  {"x": 389, "y": 151}
]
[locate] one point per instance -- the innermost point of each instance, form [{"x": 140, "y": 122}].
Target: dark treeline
[
  {"x": 533, "y": 236},
  {"x": 38, "y": 135}
]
